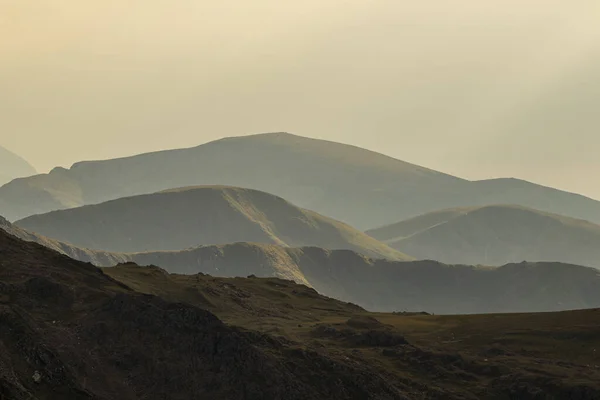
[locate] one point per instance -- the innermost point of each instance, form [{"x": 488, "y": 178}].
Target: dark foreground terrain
[{"x": 71, "y": 331}]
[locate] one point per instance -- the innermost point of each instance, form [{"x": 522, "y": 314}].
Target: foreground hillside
[
  {"x": 70, "y": 331},
  {"x": 67, "y": 331},
  {"x": 182, "y": 218},
  {"x": 378, "y": 285},
  {"x": 495, "y": 235},
  {"x": 12, "y": 166},
  {"x": 350, "y": 184},
  {"x": 510, "y": 356}
]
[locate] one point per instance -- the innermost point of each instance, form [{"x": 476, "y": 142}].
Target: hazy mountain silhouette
[
  {"x": 323, "y": 175},
  {"x": 382, "y": 285},
  {"x": 375, "y": 284},
  {"x": 495, "y": 235},
  {"x": 96, "y": 257},
  {"x": 359, "y": 187},
  {"x": 193, "y": 216},
  {"x": 12, "y": 166}
]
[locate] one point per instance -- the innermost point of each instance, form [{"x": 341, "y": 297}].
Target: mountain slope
[
  {"x": 495, "y": 235},
  {"x": 375, "y": 284},
  {"x": 12, "y": 166},
  {"x": 389, "y": 286},
  {"x": 315, "y": 174},
  {"x": 403, "y": 229},
  {"x": 96, "y": 257},
  {"x": 188, "y": 217},
  {"x": 353, "y": 185},
  {"x": 481, "y": 356},
  {"x": 70, "y": 331}
]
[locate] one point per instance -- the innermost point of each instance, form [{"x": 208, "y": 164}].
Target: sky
[{"x": 478, "y": 89}]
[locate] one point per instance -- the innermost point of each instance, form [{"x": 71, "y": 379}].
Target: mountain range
[
  {"x": 495, "y": 235},
  {"x": 177, "y": 219},
  {"x": 69, "y": 330},
  {"x": 379, "y": 285},
  {"x": 359, "y": 187},
  {"x": 382, "y": 285},
  {"x": 13, "y": 166}
]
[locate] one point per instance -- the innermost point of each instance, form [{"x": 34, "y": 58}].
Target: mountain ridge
[
  {"x": 374, "y": 284},
  {"x": 176, "y": 219},
  {"x": 381, "y": 285},
  {"x": 357, "y": 186},
  {"x": 495, "y": 235},
  {"x": 13, "y": 166}
]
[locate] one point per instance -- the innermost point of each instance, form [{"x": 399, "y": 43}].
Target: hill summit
[{"x": 205, "y": 215}]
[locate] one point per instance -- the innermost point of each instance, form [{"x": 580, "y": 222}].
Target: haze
[{"x": 476, "y": 89}]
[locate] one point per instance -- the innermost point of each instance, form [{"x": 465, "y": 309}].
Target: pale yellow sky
[{"x": 474, "y": 88}]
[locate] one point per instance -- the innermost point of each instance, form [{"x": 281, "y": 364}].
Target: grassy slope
[
  {"x": 183, "y": 218},
  {"x": 495, "y": 235},
  {"x": 448, "y": 356},
  {"x": 385, "y": 285},
  {"x": 400, "y": 230}
]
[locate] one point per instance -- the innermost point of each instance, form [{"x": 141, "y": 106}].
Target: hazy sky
[{"x": 475, "y": 88}]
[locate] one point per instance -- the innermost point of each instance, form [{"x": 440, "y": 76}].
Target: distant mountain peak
[
  {"x": 361, "y": 187},
  {"x": 13, "y": 166},
  {"x": 177, "y": 219},
  {"x": 276, "y": 134},
  {"x": 494, "y": 235}
]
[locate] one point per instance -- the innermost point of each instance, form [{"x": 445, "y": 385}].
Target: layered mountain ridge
[
  {"x": 353, "y": 185},
  {"x": 70, "y": 330},
  {"x": 378, "y": 285},
  {"x": 188, "y": 217},
  {"x": 495, "y": 235}
]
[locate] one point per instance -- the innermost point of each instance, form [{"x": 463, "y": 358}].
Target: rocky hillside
[
  {"x": 495, "y": 235},
  {"x": 71, "y": 331}
]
